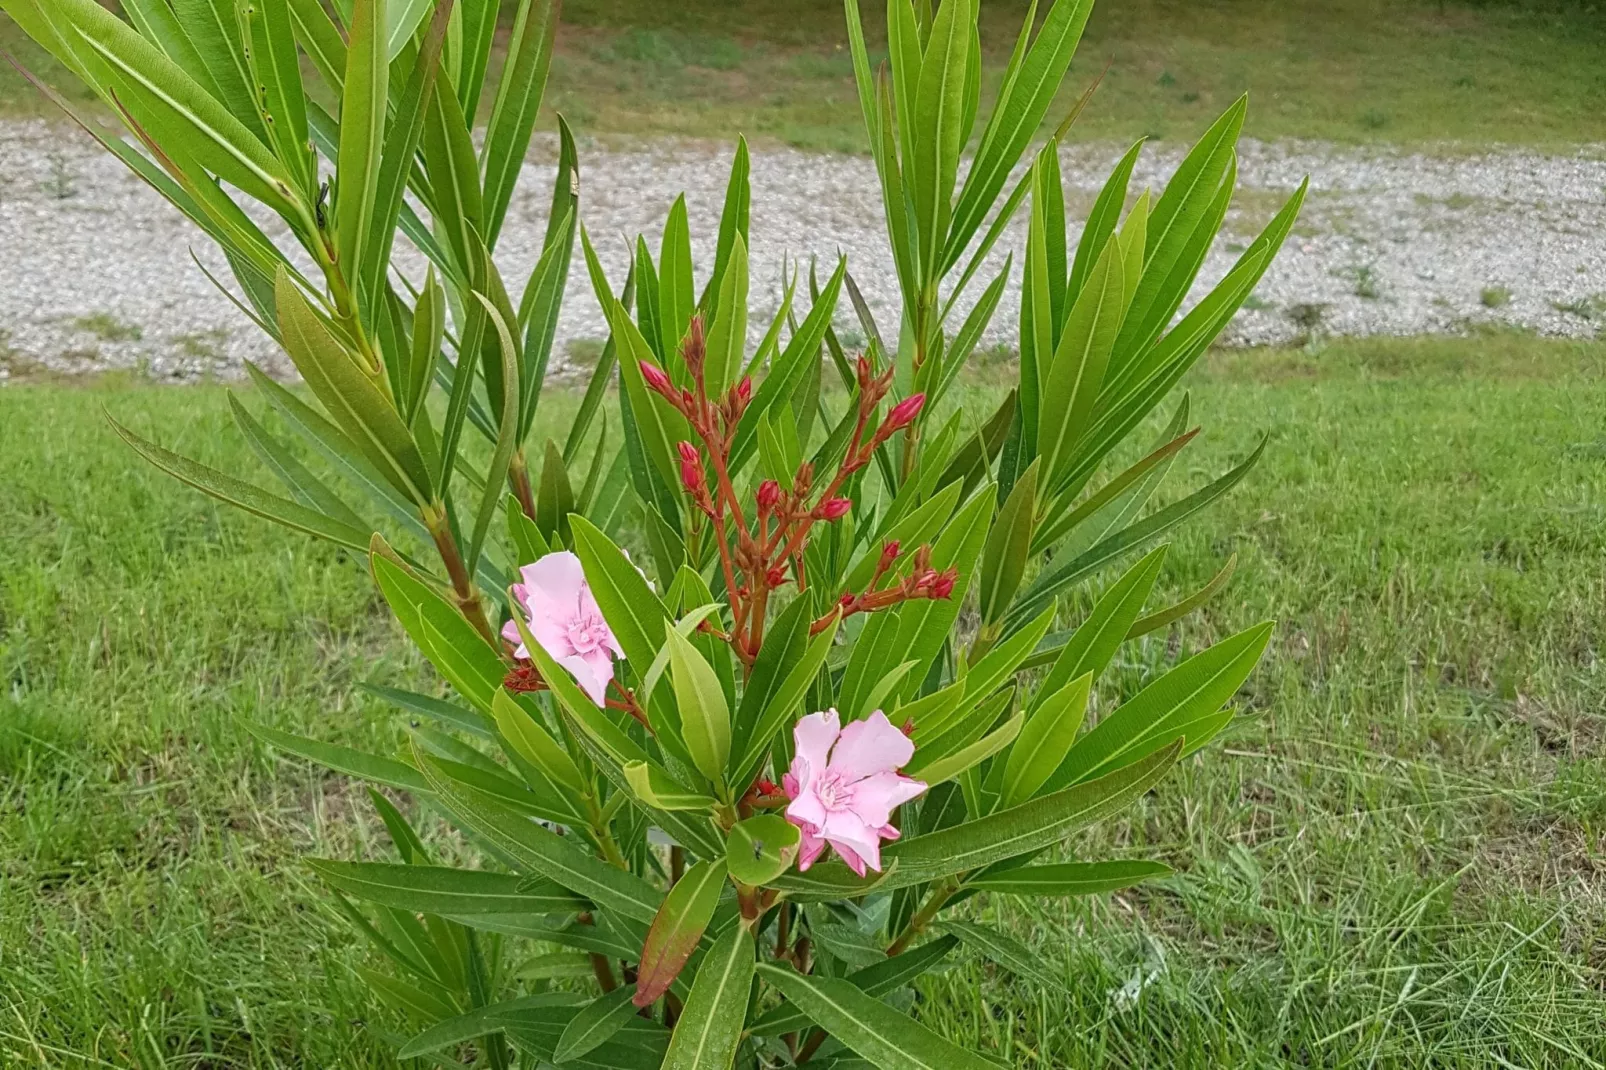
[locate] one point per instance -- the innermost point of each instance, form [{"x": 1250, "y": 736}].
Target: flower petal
[
  {"x": 851, "y": 857},
  {"x": 849, "y": 835},
  {"x": 871, "y": 746},
  {"x": 814, "y": 735},
  {"x": 813, "y": 846},
  {"x": 875, "y": 797},
  {"x": 806, "y": 811},
  {"x": 510, "y": 632},
  {"x": 593, "y": 685},
  {"x": 555, "y": 583}
]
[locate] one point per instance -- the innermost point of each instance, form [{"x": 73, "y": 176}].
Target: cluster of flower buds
[
  {"x": 923, "y": 581},
  {"x": 712, "y": 420},
  {"x": 523, "y": 677}
]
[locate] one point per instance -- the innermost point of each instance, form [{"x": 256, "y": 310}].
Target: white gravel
[{"x": 97, "y": 275}]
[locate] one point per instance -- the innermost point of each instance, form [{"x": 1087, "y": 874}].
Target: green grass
[
  {"x": 1393, "y": 859},
  {"x": 1365, "y": 71}
]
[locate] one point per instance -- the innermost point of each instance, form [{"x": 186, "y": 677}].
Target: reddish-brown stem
[
  {"x": 518, "y": 473},
  {"x": 627, "y": 702},
  {"x": 468, "y": 597}
]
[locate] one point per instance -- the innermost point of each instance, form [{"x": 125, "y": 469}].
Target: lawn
[
  {"x": 1394, "y": 858},
  {"x": 1420, "y": 72}
]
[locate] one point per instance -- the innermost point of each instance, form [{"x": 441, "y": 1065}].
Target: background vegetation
[
  {"x": 1397, "y": 860},
  {"x": 1432, "y": 71}
]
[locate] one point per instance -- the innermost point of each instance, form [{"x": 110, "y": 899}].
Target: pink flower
[
  {"x": 565, "y": 620},
  {"x": 844, "y": 784}
]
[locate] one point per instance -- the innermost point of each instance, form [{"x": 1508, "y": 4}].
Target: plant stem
[
  {"x": 923, "y": 917},
  {"x": 469, "y": 602},
  {"x": 518, "y": 473}
]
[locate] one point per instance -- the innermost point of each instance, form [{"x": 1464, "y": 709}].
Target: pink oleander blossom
[
  {"x": 844, "y": 784},
  {"x": 565, "y": 620}
]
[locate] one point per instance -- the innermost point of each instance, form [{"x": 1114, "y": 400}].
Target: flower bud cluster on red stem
[{"x": 766, "y": 554}]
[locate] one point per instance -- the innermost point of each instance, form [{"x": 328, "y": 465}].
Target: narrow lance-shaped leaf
[
  {"x": 709, "y": 1029},
  {"x": 676, "y": 929},
  {"x": 362, "y": 129},
  {"x": 727, "y": 340},
  {"x": 1047, "y": 737},
  {"x": 704, "y": 714},
  {"x": 1003, "y": 561},
  {"x": 884, "y": 1036},
  {"x": 518, "y": 101}
]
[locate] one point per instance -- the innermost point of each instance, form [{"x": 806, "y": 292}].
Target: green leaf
[
  {"x": 543, "y": 852},
  {"x": 1022, "y": 103},
  {"x": 275, "y": 67},
  {"x": 480, "y": 1022},
  {"x": 395, "y": 167},
  {"x": 170, "y": 103},
  {"x": 422, "y": 889},
  {"x": 675, "y": 303},
  {"x": 1098, "y": 637},
  {"x": 539, "y": 308},
  {"x": 762, "y": 848},
  {"x": 1032, "y": 825},
  {"x": 709, "y": 1029},
  {"x": 1186, "y": 201},
  {"x": 884, "y": 978},
  {"x": 213, "y": 27},
  {"x": 597, "y": 1022},
  {"x": 1046, "y": 739},
  {"x": 889, "y": 1039},
  {"x": 939, "y": 133},
  {"x": 1003, "y": 561},
  {"x": 1070, "y": 384},
  {"x": 308, "y": 489},
  {"x": 704, "y": 715},
  {"x": 677, "y": 927},
  {"x": 349, "y": 393},
  {"x": 1068, "y": 878},
  {"x": 952, "y": 765},
  {"x": 456, "y": 649},
  {"x": 926, "y": 624},
  {"x": 1007, "y": 952},
  {"x": 657, "y": 787},
  {"x": 727, "y": 338},
  {"x": 360, "y": 764},
  {"x": 532, "y": 742},
  {"x": 362, "y": 127},
  {"x": 1184, "y": 702},
  {"x": 782, "y": 706},
  {"x": 321, "y": 39},
  {"x": 785, "y": 644},
  {"x": 243, "y": 495},
  {"x": 1058, "y": 576},
  {"x": 459, "y": 717},
  {"x": 518, "y": 102},
  {"x": 733, "y": 224},
  {"x": 1102, "y": 219},
  {"x": 635, "y": 614},
  {"x": 554, "y": 498},
  {"x": 1132, "y": 479},
  {"x": 1165, "y": 617},
  {"x": 507, "y": 436}
]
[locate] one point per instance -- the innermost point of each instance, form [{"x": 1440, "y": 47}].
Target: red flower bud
[
  {"x": 908, "y": 726},
  {"x": 657, "y": 379},
  {"x": 775, "y": 577},
  {"x": 943, "y": 585},
  {"x": 766, "y": 786},
  {"x": 833, "y": 509},
  {"x": 689, "y": 454},
  {"x": 744, "y": 390},
  {"x": 864, "y": 370},
  {"x": 692, "y": 476},
  {"x": 846, "y": 601},
  {"x": 889, "y": 554},
  {"x": 904, "y": 412},
  {"x": 769, "y": 496}
]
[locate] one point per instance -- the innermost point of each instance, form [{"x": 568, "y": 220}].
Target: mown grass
[
  {"x": 1393, "y": 860},
  {"x": 1360, "y": 71}
]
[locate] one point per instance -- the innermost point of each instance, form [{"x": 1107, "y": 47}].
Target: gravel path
[{"x": 97, "y": 271}]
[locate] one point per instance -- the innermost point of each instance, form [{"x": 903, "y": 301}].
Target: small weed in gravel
[
  {"x": 1495, "y": 297},
  {"x": 108, "y": 328},
  {"x": 1590, "y": 308}
]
